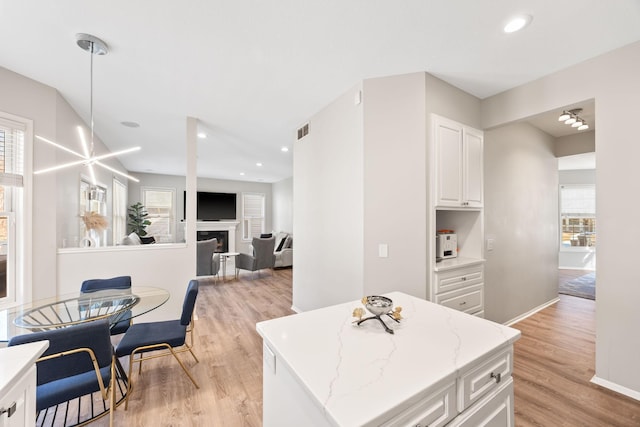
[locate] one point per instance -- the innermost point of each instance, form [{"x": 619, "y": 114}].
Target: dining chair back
[
  {"x": 119, "y": 282},
  {"x": 164, "y": 338},
  {"x": 78, "y": 362}
]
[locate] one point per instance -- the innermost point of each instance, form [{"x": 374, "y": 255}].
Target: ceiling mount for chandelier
[{"x": 94, "y": 46}]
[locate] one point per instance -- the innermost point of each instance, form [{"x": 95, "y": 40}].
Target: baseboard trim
[
  {"x": 616, "y": 387},
  {"x": 532, "y": 312},
  {"x": 296, "y": 309}
]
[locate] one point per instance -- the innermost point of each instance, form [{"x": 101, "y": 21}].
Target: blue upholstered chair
[
  {"x": 168, "y": 337},
  {"x": 119, "y": 282},
  {"x": 78, "y": 362}
]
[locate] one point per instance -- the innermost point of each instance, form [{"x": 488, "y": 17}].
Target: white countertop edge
[{"x": 15, "y": 361}]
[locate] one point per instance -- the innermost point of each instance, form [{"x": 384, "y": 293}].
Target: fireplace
[
  {"x": 222, "y": 236},
  {"x": 224, "y": 231}
]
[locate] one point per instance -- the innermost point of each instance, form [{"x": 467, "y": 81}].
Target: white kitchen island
[{"x": 440, "y": 367}]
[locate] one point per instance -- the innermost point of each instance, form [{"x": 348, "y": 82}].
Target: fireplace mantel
[{"x": 229, "y": 226}]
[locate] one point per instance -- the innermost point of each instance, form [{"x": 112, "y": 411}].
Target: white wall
[
  {"x": 395, "y": 200},
  {"x": 618, "y": 176},
  {"x": 521, "y": 216},
  {"x": 282, "y": 194},
  {"x": 32, "y": 100},
  {"x": 328, "y": 206},
  {"x": 577, "y": 143},
  {"x": 377, "y": 161}
]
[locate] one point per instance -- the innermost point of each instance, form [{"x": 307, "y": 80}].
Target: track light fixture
[{"x": 571, "y": 117}]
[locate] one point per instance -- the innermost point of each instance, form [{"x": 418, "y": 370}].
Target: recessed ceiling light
[
  {"x": 258, "y": 164},
  {"x": 242, "y": 173},
  {"x": 202, "y": 135},
  {"x": 284, "y": 149},
  {"x": 517, "y": 23},
  {"x": 130, "y": 124}
]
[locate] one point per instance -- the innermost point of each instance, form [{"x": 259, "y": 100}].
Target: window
[
  {"x": 12, "y": 140},
  {"x": 119, "y": 227},
  {"x": 253, "y": 221},
  {"x": 160, "y": 205},
  {"x": 578, "y": 215}
]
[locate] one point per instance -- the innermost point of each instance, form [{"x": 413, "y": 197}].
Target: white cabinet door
[
  {"x": 472, "y": 168},
  {"x": 458, "y": 164},
  {"x": 18, "y": 405},
  {"x": 448, "y": 152}
]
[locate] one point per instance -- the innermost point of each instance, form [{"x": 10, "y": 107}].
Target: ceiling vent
[{"x": 303, "y": 131}]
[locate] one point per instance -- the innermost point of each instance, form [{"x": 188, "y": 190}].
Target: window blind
[
  {"x": 578, "y": 200},
  {"x": 252, "y": 215},
  {"x": 11, "y": 153}
]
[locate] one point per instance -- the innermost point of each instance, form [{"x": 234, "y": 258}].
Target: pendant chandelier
[{"x": 88, "y": 158}]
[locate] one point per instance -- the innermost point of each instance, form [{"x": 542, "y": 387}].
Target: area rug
[{"x": 583, "y": 287}]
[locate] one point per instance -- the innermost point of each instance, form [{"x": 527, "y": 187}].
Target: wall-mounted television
[{"x": 213, "y": 206}]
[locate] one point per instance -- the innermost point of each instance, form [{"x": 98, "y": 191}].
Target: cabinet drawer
[
  {"x": 458, "y": 278},
  {"x": 496, "y": 409},
  {"x": 469, "y": 299},
  {"x": 486, "y": 377},
  {"x": 435, "y": 410}
]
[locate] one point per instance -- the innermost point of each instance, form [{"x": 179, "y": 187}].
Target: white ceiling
[{"x": 253, "y": 71}]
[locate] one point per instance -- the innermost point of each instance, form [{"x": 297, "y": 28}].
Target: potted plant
[{"x": 138, "y": 219}]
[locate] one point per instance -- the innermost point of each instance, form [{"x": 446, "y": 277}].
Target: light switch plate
[
  {"x": 490, "y": 243},
  {"x": 383, "y": 250}
]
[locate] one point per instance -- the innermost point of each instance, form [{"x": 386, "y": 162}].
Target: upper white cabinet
[{"x": 458, "y": 161}]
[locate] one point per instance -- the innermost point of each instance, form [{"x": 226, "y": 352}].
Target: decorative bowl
[{"x": 378, "y": 305}]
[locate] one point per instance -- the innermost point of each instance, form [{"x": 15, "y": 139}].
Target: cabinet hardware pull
[
  {"x": 464, "y": 278},
  {"x": 10, "y": 411},
  {"x": 497, "y": 376},
  {"x": 463, "y": 303}
]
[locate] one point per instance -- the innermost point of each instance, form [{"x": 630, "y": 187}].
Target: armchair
[
  {"x": 208, "y": 261},
  {"x": 263, "y": 256}
]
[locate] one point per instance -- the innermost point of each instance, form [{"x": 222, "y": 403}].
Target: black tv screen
[{"x": 214, "y": 206}]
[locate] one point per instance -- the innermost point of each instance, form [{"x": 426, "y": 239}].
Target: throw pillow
[
  {"x": 288, "y": 242},
  {"x": 281, "y": 244}
]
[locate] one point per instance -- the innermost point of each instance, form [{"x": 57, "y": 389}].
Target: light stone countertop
[
  {"x": 356, "y": 374},
  {"x": 16, "y": 360}
]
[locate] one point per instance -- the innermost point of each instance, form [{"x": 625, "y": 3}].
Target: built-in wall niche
[{"x": 467, "y": 224}]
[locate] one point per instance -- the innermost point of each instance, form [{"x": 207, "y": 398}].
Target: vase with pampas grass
[{"x": 92, "y": 221}]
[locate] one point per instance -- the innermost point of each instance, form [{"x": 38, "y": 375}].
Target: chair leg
[
  {"x": 129, "y": 383},
  {"x": 184, "y": 368},
  {"x": 112, "y": 391}
]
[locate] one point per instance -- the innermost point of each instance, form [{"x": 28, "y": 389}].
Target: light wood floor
[{"x": 553, "y": 364}]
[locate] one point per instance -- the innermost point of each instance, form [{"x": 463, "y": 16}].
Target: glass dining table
[{"x": 118, "y": 305}]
